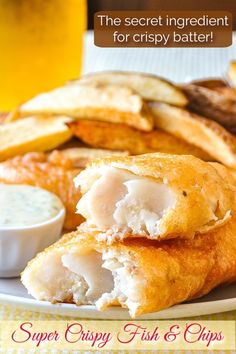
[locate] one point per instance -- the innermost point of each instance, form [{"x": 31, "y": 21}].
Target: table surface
[{"x": 177, "y": 64}]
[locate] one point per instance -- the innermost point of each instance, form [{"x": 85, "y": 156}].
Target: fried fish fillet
[
  {"x": 150, "y": 87},
  {"x": 155, "y": 196},
  {"x": 54, "y": 173},
  {"x": 196, "y": 130},
  {"x": 141, "y": 275},
  {"x": 117, "y": 104},
  {"x": 226, "y": 173},
  {"x": 121, "y": 137}
]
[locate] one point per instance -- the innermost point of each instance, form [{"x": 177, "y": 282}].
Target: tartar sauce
[{"x": 23, "y": 205}]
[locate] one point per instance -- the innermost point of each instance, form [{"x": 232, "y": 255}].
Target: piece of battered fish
[
  {"x": 53, "y": 172},
  {"x": 155, "y": 196},
  {"x": 116, "y": 136},
  {"x": 141, "y": 275}
]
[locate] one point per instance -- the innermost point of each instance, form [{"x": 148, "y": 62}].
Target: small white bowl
[{"x": 19, "y": 245}]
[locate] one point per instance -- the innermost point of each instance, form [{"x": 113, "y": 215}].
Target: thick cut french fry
[
  {"x": 211, "y": 83},
  {"x": 32, "y": 134},
  {"x": 150, "y": 87},
  {"x": 196, "y": 130},
  {"x": 117, "y": 104},
  {"x": 218, "y": 104}
]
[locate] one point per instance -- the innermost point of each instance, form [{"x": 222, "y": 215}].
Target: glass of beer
[{"x": 41, "y": 46}]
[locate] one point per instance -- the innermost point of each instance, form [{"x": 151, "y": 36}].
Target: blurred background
[
  {"x": 99, "y": 5},
  {"x": 176, "y": 64},
  {"x": 30, "y": 29}
]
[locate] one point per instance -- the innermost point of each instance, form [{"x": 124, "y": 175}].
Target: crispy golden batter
[
  {"x": 54, "y": 173},
  {"x": 233, "y": 172},
  {"x": 226, "y": 173},
  {"x": 121, "y": 137},
  {"x": 199, "y": 131},
  {"x": 156, "y": 274},
  {"x": 204, "y": 198}
]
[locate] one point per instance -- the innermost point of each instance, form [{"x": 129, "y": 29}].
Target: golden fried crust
[
  {"x": 175, "y": 271},
  {"x": 199, "y": 190},
  {"x": 53, "y": 173},
  {"x": 167, "y": 272},
  {"x": 233, "y": 172},
  {"x": 199, "y": 131},
  {"x": 121, "y": 137},
  {"x": 226, "y": 173}
]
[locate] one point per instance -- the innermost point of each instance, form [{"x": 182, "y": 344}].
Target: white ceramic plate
[{"x": 219, "y": 300}]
